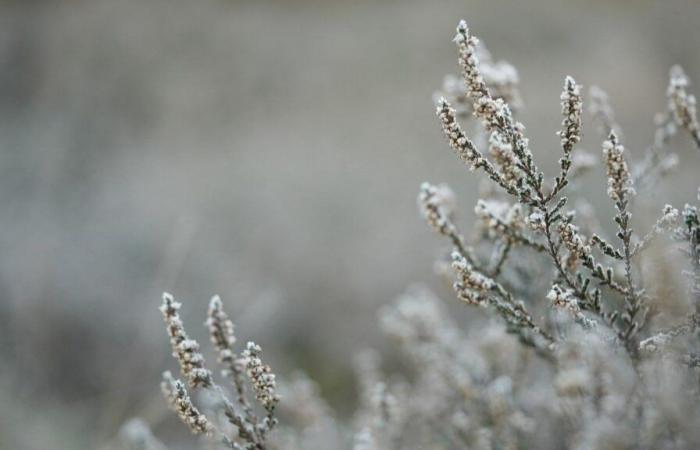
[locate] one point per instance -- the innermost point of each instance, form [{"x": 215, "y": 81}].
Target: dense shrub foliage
[{"x": 582, "y": 345}]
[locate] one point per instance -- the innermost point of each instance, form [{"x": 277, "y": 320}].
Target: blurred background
[{"x": 266, "y": 151}]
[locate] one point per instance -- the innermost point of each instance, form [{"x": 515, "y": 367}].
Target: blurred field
[{"x": 269, "y": 152}]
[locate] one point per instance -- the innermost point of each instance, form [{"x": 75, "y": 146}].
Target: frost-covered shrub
[
  {"x": 581, "y": 349},
  {"x": 615, "y": 368}
]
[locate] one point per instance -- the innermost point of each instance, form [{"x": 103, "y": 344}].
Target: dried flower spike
[
  {"x": 571, "y": 108},
  {"x": 459, "y": 142},
  {"x": 185, "y": 350},
  {"x": 261, "y": 377},
  {"x": 570, "y": 134},
  {"x": 619, "y": 178},
  {"x": 179, "y": 401}
]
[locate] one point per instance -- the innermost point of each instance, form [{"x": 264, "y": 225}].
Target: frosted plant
[
  {"x": 516, "y": 172},
  {"x": 179, "y": 401},
  {"x": 263, "y": 381},
  {"x": 249, "y": 430},
  {"x": 610, "y": 329},
  {"x": 571, "y": 344}
]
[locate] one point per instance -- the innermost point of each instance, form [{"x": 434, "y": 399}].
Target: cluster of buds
[
  {"x": 471, "y": 285},
  {"x": 562, "y": 297},
  {"x": 179, "y": 401},
  {"x": 221, "y": 329},
  {"x": 501, "y": 78},
  {"x": 469, "y": 63},
  {"x": 437, "y": 205},
  {"x": 502, "y": 153},
  {"x": 185, "y": 350},
  {"x": 261, "y": 377},
  {"x": 570, "y": 134},
  {"x": 494, "y": 113},
  {"x": 221, "y": 333},
  {"x": 574, "y": 241},
  {"x": 571, "y": 108},
  {"x": 619, "y": 178},
  {"x": 567, "y": 300},
  {"x": 459, "y": 142}
]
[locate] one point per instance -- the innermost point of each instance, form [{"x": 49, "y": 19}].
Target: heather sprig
[
  {"x": 185, "y": 350},
  {"x": 510, "y": 165},
  {"x": 180, "y": 402},
  {"x": 263, "y": 381},
  {"x": 250, "y": 429},
  {"x": 570, "y": 134}
]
